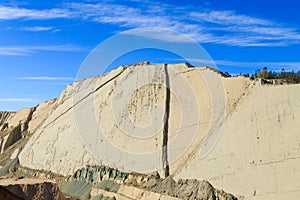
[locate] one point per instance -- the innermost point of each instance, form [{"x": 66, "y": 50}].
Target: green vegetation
[{"x": 288, "y": 77}]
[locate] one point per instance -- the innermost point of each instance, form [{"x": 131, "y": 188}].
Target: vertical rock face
[
  {"x": 239, "y": 135},
  {"x": 3, "y": 119},
  {"x": 14, "y": 136},
  {"x": 17, "y": 127},
  {"x": 259, "y": 144},
  {"x": 13, "y": 127},
  {"x": 120, "y": 117}
]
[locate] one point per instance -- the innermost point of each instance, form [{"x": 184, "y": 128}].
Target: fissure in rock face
[
  {"x": 29, "y": 118},
  {"x": 166, "y": 125}
]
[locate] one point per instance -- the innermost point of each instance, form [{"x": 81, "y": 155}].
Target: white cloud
[
  {"x": 228, "y": 17},
  {"x": 14, "y": 51},
  {"x": 38, "y": 28},
  {"x": 12, "y": 13},
  {"x": 242, "y": 30},
  {"x": 64, "y": 47},
  {"x": 28, "y": 50},
  {"x": 26, "y": 100},
  {"x": 160, "y": 34},
  {"x": 119, "y": 14},
  {"x": 205, "y": 26},
  {"x": 47, "y": 78}
]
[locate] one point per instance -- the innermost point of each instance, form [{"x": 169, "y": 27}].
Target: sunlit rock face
[{"x": 240, "y": 135}]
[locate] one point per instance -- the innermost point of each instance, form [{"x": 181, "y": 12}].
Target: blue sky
[{"x": 43, "y": 43}]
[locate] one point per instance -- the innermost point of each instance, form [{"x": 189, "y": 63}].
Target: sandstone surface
[{"x": 238, "y": 134}]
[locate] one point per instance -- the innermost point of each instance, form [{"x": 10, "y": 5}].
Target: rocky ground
[
  {"x": 101, "y": 182},
  {"x": 19, "y": 188}
]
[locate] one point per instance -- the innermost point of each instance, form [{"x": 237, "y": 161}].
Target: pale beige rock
[
  {"x": 16, "y": 118},
  {"x": 42, "y": 111},
  {"x": 257, "y": 155},
  {"x": 128, "y": 193},
  {"x": 126, "y": 97},
  {"x": 258, "y": 144}
]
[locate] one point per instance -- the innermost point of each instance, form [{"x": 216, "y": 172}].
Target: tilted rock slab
[{"x": 242, "y": 138}]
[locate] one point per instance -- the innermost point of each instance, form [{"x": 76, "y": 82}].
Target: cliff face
[
  {"x": 122, "y": 116},
  {"x": 17, "y": 127},
  {"x": 258, "y": 152},
  {"x": 190, "y": 123}
]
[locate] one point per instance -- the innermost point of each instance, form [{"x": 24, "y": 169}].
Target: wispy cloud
[
  {"x": 14, "y": 51},
  {"x": 160, "y": 34},
  {"x": 28, "y": 100},
  {"x": 12, "y": 13},
  {"x": 39, "y": 28},
  {"x": 205, "y": 26},
  {"x": 28, "y": 50},
  {"x": 227, "y": 17},
  {"x": 33, "y": 28},
  {"x": 47, "y": 78}
]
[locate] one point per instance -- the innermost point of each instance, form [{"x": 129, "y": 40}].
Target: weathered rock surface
[
  {"x": 101, "y": 182},
  {"x": 29, "y": 189},
  {"x": 17, "y": 127},
  {"x": 259, "y": 138},
  {"x": 120, "y": 101},
  {"x": 190, "y": 189}
]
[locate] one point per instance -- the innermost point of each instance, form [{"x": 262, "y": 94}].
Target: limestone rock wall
[
  {"x": 257, "y": 155},
  {"x": 257, "y": 150},
  {"x": 126, "y": 102},
  {"x": 17, "y": 127}
]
